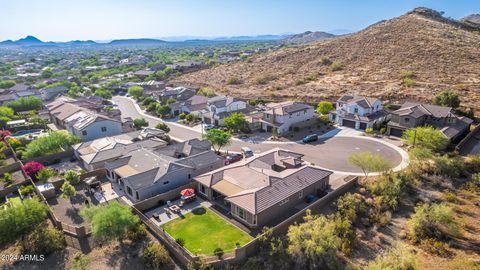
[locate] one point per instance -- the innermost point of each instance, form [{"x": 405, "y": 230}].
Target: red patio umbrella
[{"x": 187, "y": 192}]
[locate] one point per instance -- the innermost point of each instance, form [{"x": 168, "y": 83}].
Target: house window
[
  {"x": 202, "y": 189},
  {"x": 267, "y": 116},
  {"x": 254, "y": 219},
  {"x": 166, "y": 182},
  {"x": 104, "y": 129},
  {"x": 136, "y": 194},
  {"x": 407, "y": 119},
  {"x": 290, "y": 116},
  {"x": 300, "y": 194},
  {"x": 355, "y": 110},
  {"x": 304, "y": 111},
  {"x": 242, "y": 213},
  {"x": 129, "y": 191},
  {"x": 84, "y": 133},
  {"x": 189, "y": 176}
]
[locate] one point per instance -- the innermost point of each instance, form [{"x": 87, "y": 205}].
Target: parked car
[
  {"x": 233, "y": 158},
  {"x": 208, "y": 126},
  {"x": 247, "y": 152},
  {"x": 310, "y": 138}
]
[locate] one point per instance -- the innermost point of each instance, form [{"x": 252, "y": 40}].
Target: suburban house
[
  {"x": 53, "y": 92},
  {"x": 187, "y": 66},
  {"x": 412, "y": 115},
  {"x": 4, "y": 98},
  {"x": 83, "y": 122},
  {"x": 358, "y": 112},
  {"x": 285, "y": 115},
  {"x": 193, "y": 104},
  {"x": 94, "y": 154},
  {"x": 178, "y": 93},
  {"x": 144, "y": 173},
  {"x": 220, "y": 107},
  {"x": 260, "y": 189}
]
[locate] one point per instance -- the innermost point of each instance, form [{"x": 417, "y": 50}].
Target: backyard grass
[{"x": 204, "y": 231}]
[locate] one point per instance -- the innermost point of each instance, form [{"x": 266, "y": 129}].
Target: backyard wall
[
  {"x": 50, "y": 159},
  {"x": 164, "y": 197}
]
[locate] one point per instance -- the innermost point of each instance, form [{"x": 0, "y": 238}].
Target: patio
[
  {"x": 164, "y": 216},
  {"x": 66, "y": 165}
]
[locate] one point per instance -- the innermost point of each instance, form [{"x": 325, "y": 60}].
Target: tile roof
[
  {"x": 364, "y": 102},
  {"x": 287, "y": 107}
]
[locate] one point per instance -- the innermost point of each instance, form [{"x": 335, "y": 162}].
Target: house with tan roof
[
  {"x": 260, "y": 189},
  {"x": 285, "y": 115},
  {"x": 358, "y": 112}
]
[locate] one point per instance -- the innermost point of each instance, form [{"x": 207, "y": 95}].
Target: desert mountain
[
  {"x": 308, "y": 37},
  {"x": 474, "y": 18},
  {"x": 438, "y": 53}
]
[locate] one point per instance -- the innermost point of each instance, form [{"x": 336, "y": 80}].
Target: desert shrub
[
  {"x": 462, "y": 262},
  {"x": 14, "y": 143},
  {"x": 427, "y": 137},
  {"x": 347, "y": 206},
  {"x": 300, "y": 82},
  {"x": 25, "y": 104},
  {"x": 162, "y": 110},
  {"x": 324, "y": 60},
  {"x": 433, "y": 246},
  {"x": 234, "y": 81},
  {"x": 264, "y": 79},
  {"x": 369, "y": 130},
  {"x": 152, "y": 107},
  {"x": 311, "y": 77},
  {"x": 189, "y": 117},
  {"x": 449, "y": 196},
  {"x": 148, "y": 100},
  {"x": 388, "y": 189},
  {"x": 473, "y": 163},
  {"x": 474, "y": 184},
  {"x": 346, "y": 233},
  {"x": 27, "y": 189},
  {"x": 43, "y": 240},
  {"x": 420, "y": 153},
  {"x": 432, "y": 221},
  {"x": 135, "y": 91},
  {"x": 155, "y": 256},
  {"x": 336, "y": 66},
  {"x": 137, "y": 233},
  {"x": 452, "y": 167},
  {"x": 400, "y": 257},
  {"x": 72, "y": 177},
  {"x": 182, "y": 116},
  {"x": 408, "y": 82},
  {"x": 206, "y": 91},
  {"x": 80, "y": 261}
]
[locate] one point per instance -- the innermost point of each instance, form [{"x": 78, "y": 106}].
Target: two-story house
[
  {"x": 143, "y": 173},
  {"x": 358, "y": 112},
  {"x": 260, "y": 189},
  {"x": 178, "y": 93},
  {"x": 285, "y": 115},
  {"x": 220, "y": 107},
  {"x": 412, "y": 115},
  {"x": 51, "y": 93}
]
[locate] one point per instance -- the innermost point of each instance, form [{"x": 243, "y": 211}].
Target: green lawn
[{"x": 204, "y": 231}]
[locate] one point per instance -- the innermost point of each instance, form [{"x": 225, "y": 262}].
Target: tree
[
  {"x": 171, "y": 101},
  {"x": 163, "y": 127},
  {"x": 427, "y": 137},
  {"x": 68, "y": 191},
  {"x": 103, "y": 93},
  {"x": 324, "y": 107},
  {"x": 447, "y": 98},
  {"x": 25, "y": 104},
  {"x": 32, "y": 168},
  {"x": 163, "y": 110},
  {"x": 43, "y": 240},
  {"x": 139, "y": 123},
  {"x": 19, "y": 219},
  {"x": 236, "y": 122},
  {"x": 189, "y": 117},
  {"x": 110, "y": 222},
  {"x": 72, "y": 177},
  {"x": 135, "y": 91},
  {"x": 56, "y": 141},
  {"x": 148, "y": 100},
  {"x": 153, "y": 106},
  {"x": 369, "y": 162},
  {"x": 155, "y": 256},
  {"x": 218, "y": 138},
  {"x": 4, "y": 84},
  {"x": 46, "y": 173},
  {"x": 312, "y": 247},
  {"x": 434, "y": 220}
]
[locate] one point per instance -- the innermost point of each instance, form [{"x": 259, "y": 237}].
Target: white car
[{"x": 208, "y": 126}]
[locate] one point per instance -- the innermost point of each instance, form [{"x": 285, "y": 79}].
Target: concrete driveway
[{"x": 329, "y": 153}]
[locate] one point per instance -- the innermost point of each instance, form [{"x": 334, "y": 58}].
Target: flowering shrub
[
  {"x": 4, "y": 134},
  {"x": 31, "y": 168}
]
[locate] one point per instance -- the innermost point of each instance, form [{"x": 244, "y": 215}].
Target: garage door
[
  {"x": 396, "y": 132},
  {"x": 348, "y": 123},
  {"x": 363, "y": 126}
]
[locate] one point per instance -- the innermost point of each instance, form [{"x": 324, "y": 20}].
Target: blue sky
[{"x": 60, "y": 20}]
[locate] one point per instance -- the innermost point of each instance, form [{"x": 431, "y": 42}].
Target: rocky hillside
[
  {"x": 433, "y": 52},
  {"x": 474, "y": 18},
  {"x": 308, "y": 37}
]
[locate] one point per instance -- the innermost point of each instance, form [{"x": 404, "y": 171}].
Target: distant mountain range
[
  {"x": 308, "y": 37},
  {"x": 31, "y": 41}
]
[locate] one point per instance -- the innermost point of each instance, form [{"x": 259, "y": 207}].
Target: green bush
[
  {"x": 155, "y": 256},
  {"x": 336, "y": 66},
  {"x": 433, "y": 246},
  {"x": 43, "y": 240},
  {"x": 388, "y": 189},
  {"x": 139, "y": 123},
  {"x": 80, "y": 261},
  {"x": 25, "y": 104},
  {"x": 46, "y": 173},
  {"x": 427, "y": 137},
  {"x": 369, "y": 130},
  {"x": 324, "y": 60},
  {"x": 135, "y": 91},
  {"x": 137, "y": 233},
  {"x": 163, "y": 127},
  {"x": 432, "y": 221},
  {"x": 218, "y": 252},
  {"x": 180, "y": 241},
  {"x": 206, "y": 91},
  {"x": 234, "y": 81},
  {"x": 27, "y": 189},
  {"x": 452, "y": 167},
  {"x": 474, "y": 184}
]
